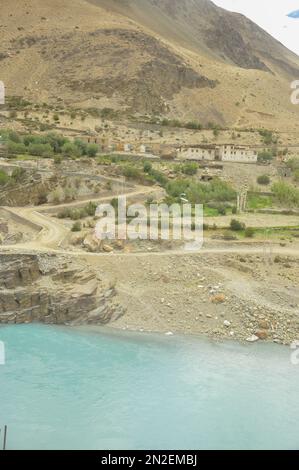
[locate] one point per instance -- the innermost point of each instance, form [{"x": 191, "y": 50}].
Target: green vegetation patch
[{"x": 46, "y": 146}]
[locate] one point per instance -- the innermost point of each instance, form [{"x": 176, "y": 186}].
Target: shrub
[
  {"x": 267, "y": 137},
  {"x": 92, "y": 150},
  {"x": 147, "y": 167},
  {"x": 71, "y": 150},
  {"x": 132, "y": 172},
  {"x": 4, "y": 178},
  {"x": 201, "y": 193},
  {"x": 77, "y": 214},
  {"x": 34, "y": 139},
  {"x": 82, "y": 146},
  {"x": 249, "y": 232},
  {"x": 70, "y": 194},
  {"x": 56, "y": 196},
  {"x": 265, "y": 156},
  {"x": 56, "y": 141},
  {"x": 159, "y": 177},
  {"x": 77, "y": 227},
  {"x": 176, "y": 188},
  {"x": 91, "y": 208},
  {"x": 286, "y": 194},
  {"x": 64, "y": 213},
  {"x": 193, "y": 125},
  {"x": 216, "y": 190},
  {"x": 14, "y": 137},
  {"x": 216, "y": 132},
  {"x": 40, "y": 150},
  {"x": 42, "y": 197},
  {"x": 16, "y": 148},
  {"x": 236, "y": 225},
  {"x": 221, "y": 210},
  {"x": 263, "y": 180},
  {"x": 189, "y": 169}
]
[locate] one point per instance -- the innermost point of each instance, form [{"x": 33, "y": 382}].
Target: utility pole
[
  {"x": 4, "y": 437},
  {"x": 242, "y": 201}
]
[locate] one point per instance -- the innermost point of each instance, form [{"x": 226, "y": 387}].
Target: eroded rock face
[{"x": 50, "y": 290}]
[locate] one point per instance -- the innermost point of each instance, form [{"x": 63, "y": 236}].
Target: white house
[
  {"x": 225, "y": 153},
  {"x": 197, "y": 152},
  {"x": 237, "y": 153}
]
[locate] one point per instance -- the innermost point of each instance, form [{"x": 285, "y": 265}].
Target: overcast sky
[{"x": 270, "y": 15}]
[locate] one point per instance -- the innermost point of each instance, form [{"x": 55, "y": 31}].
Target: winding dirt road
[{"x": 51, "y": 234}]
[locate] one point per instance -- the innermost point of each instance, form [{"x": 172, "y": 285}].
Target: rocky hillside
[
  {"x": 52, "y": 290},
  {"x": 201, "y": 26},
  {"x": 186, "y": 59}
]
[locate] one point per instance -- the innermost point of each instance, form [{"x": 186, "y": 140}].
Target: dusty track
[{"x": 52, "y": 234}]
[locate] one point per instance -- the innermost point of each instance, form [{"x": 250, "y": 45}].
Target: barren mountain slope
[
  {"x": 202, "y": 26},
  {"x": 186, "y": 59}
]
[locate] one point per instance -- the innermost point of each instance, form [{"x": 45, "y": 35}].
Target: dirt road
[{"x": 51, "y": 233}]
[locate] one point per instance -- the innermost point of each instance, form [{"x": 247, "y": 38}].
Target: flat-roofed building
[
  {"x": 197, "y": 152},
  {"x": 237, "y": 153},
  {"x": 225, "y": 153}
]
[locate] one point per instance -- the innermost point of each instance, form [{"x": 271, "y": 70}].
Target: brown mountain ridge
[{"x": 187, "y": 59}]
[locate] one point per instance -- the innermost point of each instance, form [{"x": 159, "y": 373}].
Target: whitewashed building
[
  {"x": 237, "y": 153},
  {"x": 225, "y": 153},
  {"x": 197, "y": 152}
]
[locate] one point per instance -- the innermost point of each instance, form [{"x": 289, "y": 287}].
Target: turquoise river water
[{"x": 91, "y": 389}]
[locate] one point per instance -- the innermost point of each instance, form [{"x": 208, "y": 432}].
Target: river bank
[{"x": 247, "y": 297}]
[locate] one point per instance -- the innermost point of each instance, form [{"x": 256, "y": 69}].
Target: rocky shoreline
[
  {"x": 247, "y": 298},
  {"x": 234, "y": 297},
  {"x": 53, "y": 290}
]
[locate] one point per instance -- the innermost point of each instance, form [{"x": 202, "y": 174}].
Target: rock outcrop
[{"x": 51, "y": 290}]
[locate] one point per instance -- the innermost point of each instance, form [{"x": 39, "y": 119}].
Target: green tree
[
  {"x": 263, "y": 180},
  {"x": 265, "y": 156},
  {"x": 147, "y": 167},
  {"x": 16, "y": 148},
  {"x": 236, "y": 225},
  {"x": 77, "y": 227},
  {"x": 40, "y": 150},
  {"x": 249, "y": 232},
  {"x": 71, "y": 150},
  {"x": 189, "y": 169},
  {"x": 286, "y": 194},
  {"x": 92, "y": 150},
  {"x": 81, "y": 145}
]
